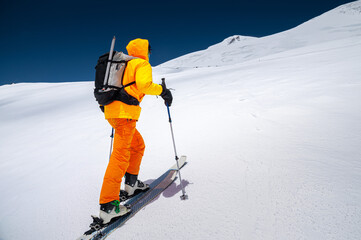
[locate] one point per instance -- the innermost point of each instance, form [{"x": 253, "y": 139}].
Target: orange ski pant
[{"x": 127, "y": 155}]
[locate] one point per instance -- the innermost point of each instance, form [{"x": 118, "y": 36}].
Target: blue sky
[{"x": 60, "y": 41}]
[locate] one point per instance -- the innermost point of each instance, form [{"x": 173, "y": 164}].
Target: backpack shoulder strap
[{"x": 129, "y": 84}]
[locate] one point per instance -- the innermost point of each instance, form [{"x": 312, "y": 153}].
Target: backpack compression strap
[{"x": 126, "y": 85}]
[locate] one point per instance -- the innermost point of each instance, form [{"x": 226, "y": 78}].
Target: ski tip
[{"x": 181, "y": 162}]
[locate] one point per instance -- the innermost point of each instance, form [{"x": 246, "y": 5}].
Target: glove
[{"x": 167, "y": 96}]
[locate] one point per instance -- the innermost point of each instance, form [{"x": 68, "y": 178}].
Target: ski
[{"x": 98, "y": 231}]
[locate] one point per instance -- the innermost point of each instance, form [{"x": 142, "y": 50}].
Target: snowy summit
[{"x": 339, "y": 23}]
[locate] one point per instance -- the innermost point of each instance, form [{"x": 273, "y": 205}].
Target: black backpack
[{"x": 112, "y": 89}]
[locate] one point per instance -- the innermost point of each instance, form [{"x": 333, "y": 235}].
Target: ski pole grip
[{"x": 163, "y": 84}]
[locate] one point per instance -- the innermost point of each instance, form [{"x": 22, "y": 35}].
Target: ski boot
[
  {"x": 111, "y": 210},
  {"x": 132, "y": 187}
]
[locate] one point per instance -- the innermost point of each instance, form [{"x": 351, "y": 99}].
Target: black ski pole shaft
[
  {"x": 111, "y": 142},
  {"x": 184, "y": 195}
]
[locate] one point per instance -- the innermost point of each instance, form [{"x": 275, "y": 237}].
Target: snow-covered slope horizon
[
  {"x": 339, "y": 23},
  {"x": 273, "y": 145}
]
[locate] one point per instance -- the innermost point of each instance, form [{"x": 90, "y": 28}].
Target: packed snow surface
[{"x": 273, "y": 144}]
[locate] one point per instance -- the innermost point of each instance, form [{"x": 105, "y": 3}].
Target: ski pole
[
  {"x": 111, "y": 142},
  {"x": 105, "y": 83},
  {"x": 184, "y": 196},
  {"x": 108, "y": 63}
]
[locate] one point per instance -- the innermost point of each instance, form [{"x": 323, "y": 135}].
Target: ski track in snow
[{"x": 272, "y": 143}]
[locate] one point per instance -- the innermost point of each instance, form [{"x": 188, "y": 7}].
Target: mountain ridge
[{"x": 341, "y": 22}]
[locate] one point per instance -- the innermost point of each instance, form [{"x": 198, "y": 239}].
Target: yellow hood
[{"x": 138, "y": 48}]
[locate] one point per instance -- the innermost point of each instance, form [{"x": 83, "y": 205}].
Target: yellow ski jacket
[{"x": 140, "y": 71}]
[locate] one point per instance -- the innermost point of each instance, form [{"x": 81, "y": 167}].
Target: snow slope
[
  {"x": 339, "y": 23},
  {"x": 272, "y": 142}
]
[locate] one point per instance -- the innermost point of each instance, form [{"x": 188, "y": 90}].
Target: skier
[{"x": 129, "y": 145}]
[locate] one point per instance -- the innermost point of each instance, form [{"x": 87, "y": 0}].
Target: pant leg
[
  {"x": 119, "y": 159},
  {"x": 136, "y": 153}
]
